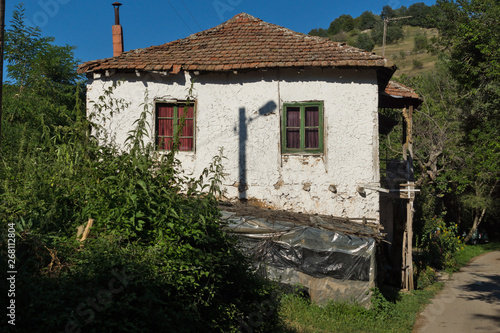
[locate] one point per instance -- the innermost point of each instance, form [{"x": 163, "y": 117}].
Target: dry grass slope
[{"x": 403, "y": 55}]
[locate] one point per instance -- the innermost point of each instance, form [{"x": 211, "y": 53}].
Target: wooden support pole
[
  {"x": 407, "y": 251},
  {"x": 411, "y": 197},
  {"x": 403, "y": 272},
  {"x": 410, "y": 241}
]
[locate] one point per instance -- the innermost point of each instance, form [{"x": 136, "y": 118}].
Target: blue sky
[{"x": 86, "y": 24}]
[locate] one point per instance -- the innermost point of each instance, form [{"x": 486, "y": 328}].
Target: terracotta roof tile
[
  {"x": 242, "y": 42},
  {"x": 399, "y": 90}
]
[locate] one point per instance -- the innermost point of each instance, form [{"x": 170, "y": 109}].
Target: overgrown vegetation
[
  {"x": 392, "y": 310},
  {"x": 455, "y": 130},
  {"x": 156, "y": 258}
]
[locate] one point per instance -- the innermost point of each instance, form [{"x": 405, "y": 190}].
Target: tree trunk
[{"x": 477, "y": 220}]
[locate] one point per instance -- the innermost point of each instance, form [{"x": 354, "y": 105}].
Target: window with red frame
[{"x": 173, "y": 118}]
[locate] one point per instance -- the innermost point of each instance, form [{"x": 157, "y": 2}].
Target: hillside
[{"x": 402, "y": 54}]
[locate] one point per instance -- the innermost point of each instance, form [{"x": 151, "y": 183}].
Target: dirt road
[{"x": 470, "y": 301}]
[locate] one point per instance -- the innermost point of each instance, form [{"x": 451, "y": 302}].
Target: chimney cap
[{"x": 116, "y": 4}]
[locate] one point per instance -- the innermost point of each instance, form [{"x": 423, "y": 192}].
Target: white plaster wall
[{"x": 226, "y": 102}]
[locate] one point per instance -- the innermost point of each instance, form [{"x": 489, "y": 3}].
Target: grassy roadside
[
  {"x": 392, "y": 311},
  {"x": 472, "y": 251}
]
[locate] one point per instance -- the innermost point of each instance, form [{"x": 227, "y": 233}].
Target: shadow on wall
[{"x": 242, "y": 130}]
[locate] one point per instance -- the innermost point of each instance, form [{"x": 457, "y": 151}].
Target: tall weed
[{"x": 152, "y": 223}]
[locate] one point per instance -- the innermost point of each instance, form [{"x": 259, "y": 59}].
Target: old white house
[{"x": 296, "y": 115}]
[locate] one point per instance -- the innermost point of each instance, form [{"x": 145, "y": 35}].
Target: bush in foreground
[{"x": 157, "y": 258}]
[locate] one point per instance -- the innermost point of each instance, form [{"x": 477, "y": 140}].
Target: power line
[
  {"x": 175, "y": 10},
  {"x": 187, "y": 9}
]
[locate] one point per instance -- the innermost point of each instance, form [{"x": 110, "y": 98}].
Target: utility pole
[
  {"x": 387, "y": 20},
  {"x": 2, "y": 38}
]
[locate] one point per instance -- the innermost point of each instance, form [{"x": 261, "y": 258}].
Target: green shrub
[
  {"x": 417, "y": 64},
  {"x": 157, "y": 258},
  {"x": 425, "y": 277},
  {"x": 365, "y": 42},
  {"x": 440, "y": 243},
  {"x": 420, "y": 43}
]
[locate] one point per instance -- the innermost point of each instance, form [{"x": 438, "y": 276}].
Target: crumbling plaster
[{"x": 228, "y": 105}]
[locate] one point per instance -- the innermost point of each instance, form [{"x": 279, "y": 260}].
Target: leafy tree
[
  {"x": 365, "y": 42},
  {"x": 472, "y": 36},
  {"x": 319, "y": 32},
  {"x": 43, "y": 88},
  {"x": 421, "y": 15},
  {"x": 342, "y": 23},
  {"x": 366, "y": 20},
  {"x": 401, "y": 11},
  {"x": 436, "y": 128},
  {"x": 420, "y": 42},
  {"x": 394, "y": 33},
  {"x": 387, "y": 12},
  {"x": 33, "y": 60}
]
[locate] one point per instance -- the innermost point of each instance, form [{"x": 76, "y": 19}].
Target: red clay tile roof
[
  {"x": 243, "y": 42},
  {"x": 399, "y": 90}
]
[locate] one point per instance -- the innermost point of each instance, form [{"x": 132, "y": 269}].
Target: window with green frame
[
  {"x": 172, "y": 118},
  {"x": 302, "y": 128}
]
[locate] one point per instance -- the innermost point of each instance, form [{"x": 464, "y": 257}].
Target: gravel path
[{"x": 470, "y": 301}]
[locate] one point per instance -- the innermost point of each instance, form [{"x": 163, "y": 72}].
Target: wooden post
[
  {"x": 407, "y": 269},
  {"x": 410, "y": 236},
  {"x": 387, "y": 20},
  {"x": 403, "y": 264}
]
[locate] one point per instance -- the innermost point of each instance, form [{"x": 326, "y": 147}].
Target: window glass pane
[
  {"x": 165, "y": 143},
  {"x": 312, "y": 115},
  {"x": 189, "y": 112},
  {"x": 293, "y": 138},
  {"x": 187, "y": 130},
  {"x": 312, "y": 138},
  {"x": 165, "y": 127},
  {"x": 293, "y": 116},
  {"x": 186, "y": 144},
  {"x": 165, "y": 111}
]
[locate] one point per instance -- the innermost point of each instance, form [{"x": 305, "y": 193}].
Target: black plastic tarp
[{"x": 330, "y": 264}]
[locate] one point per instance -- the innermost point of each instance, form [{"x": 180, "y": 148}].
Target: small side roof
[
  {"x": 243, "y": 42},
  {"x": 397, "y": 95}
]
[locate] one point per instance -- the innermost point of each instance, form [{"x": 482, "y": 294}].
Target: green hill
[{"x": 403, "y": 54}]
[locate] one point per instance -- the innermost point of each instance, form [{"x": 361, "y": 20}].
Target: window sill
[
  {"x": 182, "y": 152},
  {"x": 303, "y": 154}
]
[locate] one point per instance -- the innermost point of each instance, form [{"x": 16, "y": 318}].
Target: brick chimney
[{"x": 117, "y": 32}]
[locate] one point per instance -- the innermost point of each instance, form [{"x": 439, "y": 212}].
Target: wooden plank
[
  {"x": 87, "y": 229},
  {"x": 403, "y": 273}
]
